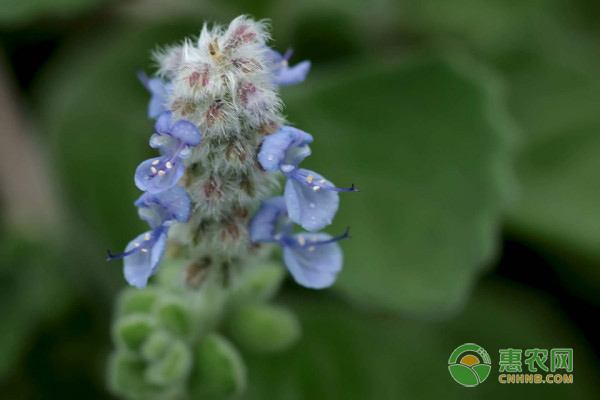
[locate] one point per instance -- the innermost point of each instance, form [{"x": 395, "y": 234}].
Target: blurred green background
[{"x": 470, "y": 126}]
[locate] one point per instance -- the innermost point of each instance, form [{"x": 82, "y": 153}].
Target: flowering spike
[{"x": 221, "y": 138}]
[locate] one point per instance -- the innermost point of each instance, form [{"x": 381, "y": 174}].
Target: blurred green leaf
[
  {"x": 133, "y": 301},
  {"x": 14, "y": 12},
  {"x": 555, "y": 96},
  {"x": 352, "y": 354},
  {"x": 427, "y": 144},
  {"x": 32, "y": 292},
  {"x": 126, "y": 376},
  {"x": 155, "y": 346},
  {"x": 264, "y": 328},
  {"x": 174, "y": 365},
  {"x": 175, "y": 315},
  {"x": 132, "y": 330},
  {"x": 219, "y": 370},
  {"x": 490, "y": 26},
  {"x": 257, "y": 283}
]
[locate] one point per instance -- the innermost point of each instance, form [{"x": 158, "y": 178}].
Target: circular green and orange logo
[{"x": 469, "y": 364}]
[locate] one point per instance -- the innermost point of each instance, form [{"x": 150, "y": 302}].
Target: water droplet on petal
[
  {"x": 270, "y": 157},
  {"x": 312, "y": 205}
]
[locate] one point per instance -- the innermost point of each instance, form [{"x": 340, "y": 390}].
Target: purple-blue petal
[
  {"x": 163, "y": 123},
  {"x": 147, "y": 181},
  {"x": 274, "y": 57},
  {"x": 154, "y": 214},
  {"x": 286, "y": 146},
  {"x": 167, "y": 145},
  {"x": 176, "y": 201},
  {"x": 292, "y": 75},
  {"x": 158, "y": 208},
  {"x": 159, "y": 91},
  {"x": 186, "y": 132},
  {"x": 317, "y": 268},
  {"x": 139, "y": 266},
  {"x": 313, "y": 210},
  {"x": 263, "y": 224}
]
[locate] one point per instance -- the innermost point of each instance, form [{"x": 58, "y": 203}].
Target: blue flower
[
  {"x": 159, "y": 91},
  {"x": 283, "y": 74},
  {"x": 174, "y": 142},
  {"x": 143, "y": 254},
  {"x": 164, "y": 208},
  {"x": 311, "y": 200},
  {"x": 313, "y": 259}
]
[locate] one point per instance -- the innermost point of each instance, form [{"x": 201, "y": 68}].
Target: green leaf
[
  {"x": 257, "y": 283},
  {"x": 33, "y": 292},
  {"x": 219, "y": 370},
  {"x": 356, "y": 354},
  {"x": 426, "y": 143},
  {"x": 264, "y": 328},
  {"x": 131, "y": 331},
  {"x": 172, "y": 367},
  {"x": 16, "y": 12},
  {"x": 156, "y": 345},
  {"x": 175, "y": 315},
  {"x": 126, "y": 376},
  {"x": 555, "y": 100},
  {"x": 133, "y": 301},
  {"x": 491, "y": 25}
]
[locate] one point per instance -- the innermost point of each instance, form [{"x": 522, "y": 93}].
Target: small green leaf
[
  {"x": 219, "y": 370},
  {"x": 136, "y": 301},
  {"x": 172, "y": 367},
  {"x": 156, "y": 345},
  {"x": 207, "y": 305},
  {"x": 132, "y": 330},
  {"x": 264, "y": 328},
  {"x": 174, "y": 315},
  {"x": 258, "y": 283},
  {"x": 126, "y": 376}
]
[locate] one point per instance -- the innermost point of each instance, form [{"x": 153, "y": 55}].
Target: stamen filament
[{"x": 345, "y": 235}]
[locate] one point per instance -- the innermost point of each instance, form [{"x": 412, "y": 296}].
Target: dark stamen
[
  {"x": 336, "y": 189},
  {"x": 125, "y": 254},
  {"x": 345, "y": 235}
]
